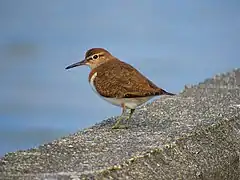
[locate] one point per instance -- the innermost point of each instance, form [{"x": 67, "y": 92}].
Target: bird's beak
[{"x": 83, "y": 62}]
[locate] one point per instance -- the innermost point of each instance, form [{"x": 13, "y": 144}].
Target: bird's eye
[{"x": 95, "y": 56}]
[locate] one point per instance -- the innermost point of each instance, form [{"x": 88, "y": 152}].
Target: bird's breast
[{"x": 92, "y": 82}]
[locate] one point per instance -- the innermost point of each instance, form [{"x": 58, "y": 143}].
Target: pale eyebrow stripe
[{"x": 91, "y": 57}]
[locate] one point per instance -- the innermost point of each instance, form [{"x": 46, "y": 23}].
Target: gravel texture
[{"x": 194, "y": 135}]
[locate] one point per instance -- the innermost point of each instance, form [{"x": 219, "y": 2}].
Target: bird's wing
[{"x": 120, "y": 80}]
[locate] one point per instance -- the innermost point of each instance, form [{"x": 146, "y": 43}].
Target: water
[{"x": 173, "y": 43}]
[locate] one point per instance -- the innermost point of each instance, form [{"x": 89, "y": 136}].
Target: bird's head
[{"x": 93, "y": 58}]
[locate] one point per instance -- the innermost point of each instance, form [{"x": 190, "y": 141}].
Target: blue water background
[{"x": 172, "y": 42}]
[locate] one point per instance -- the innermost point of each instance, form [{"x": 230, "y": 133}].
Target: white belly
[{"x": 131, "y": 103}]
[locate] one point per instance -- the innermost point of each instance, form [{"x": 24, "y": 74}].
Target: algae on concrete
[{"x": 194, "y": 135}]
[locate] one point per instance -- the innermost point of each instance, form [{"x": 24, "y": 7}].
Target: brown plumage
[
  {"x": 116, "y": 79},
  {"x": 94, "y": 51},
  {"x": 118, "y": 82}
]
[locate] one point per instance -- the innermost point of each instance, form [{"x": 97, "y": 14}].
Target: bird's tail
[{"x": 163, "y": 92}]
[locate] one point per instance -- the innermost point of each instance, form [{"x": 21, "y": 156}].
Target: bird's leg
[
  {"x": 131, "y": 113},
  {"x": 117, "y": 124}
]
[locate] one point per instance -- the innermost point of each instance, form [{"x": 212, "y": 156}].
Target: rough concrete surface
[{"x": 194, "y": 135}]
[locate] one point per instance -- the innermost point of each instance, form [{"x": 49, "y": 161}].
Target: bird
[{"x": 117, "y": 82}]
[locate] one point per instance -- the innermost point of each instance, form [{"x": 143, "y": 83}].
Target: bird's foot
[{"x": 118, "y": 124}]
